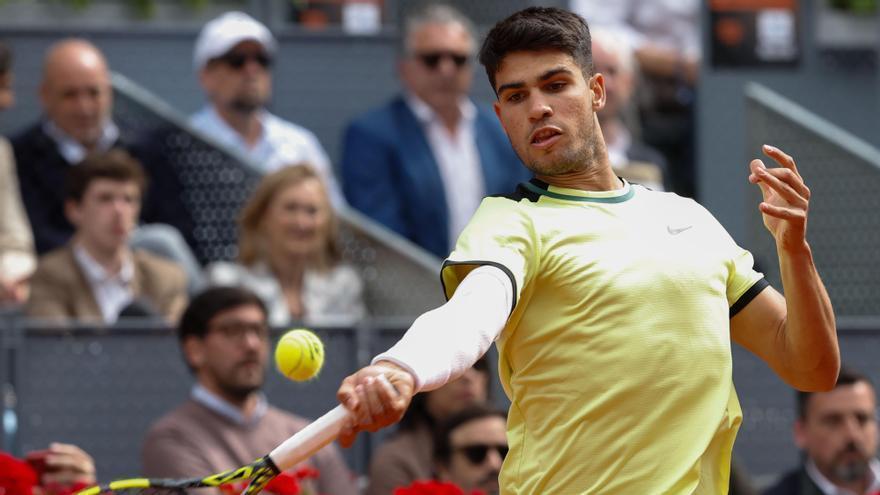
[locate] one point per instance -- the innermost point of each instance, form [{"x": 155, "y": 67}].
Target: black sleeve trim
[
  {"x": 747, "y": 297},
  {"x": 481, "y": 263}
]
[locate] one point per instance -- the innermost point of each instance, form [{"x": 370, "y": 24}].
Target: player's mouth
[{"x": 545, "y": 137}]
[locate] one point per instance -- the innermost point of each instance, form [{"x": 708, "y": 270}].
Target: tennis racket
[{"x": 292, "y": 451}]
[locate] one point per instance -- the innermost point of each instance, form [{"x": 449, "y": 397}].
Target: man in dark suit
[
  {"x": 422, "y": 163},
  {"x": 837, "y": 433}
]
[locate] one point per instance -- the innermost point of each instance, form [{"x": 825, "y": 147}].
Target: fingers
[
  {"x": 376, "y": 396},
  {"x": 784, "y": 213},
  {"x": 780, "y": 157},
  {"x": 788, "y": 185},
  {"x": 69, "y": 463}
]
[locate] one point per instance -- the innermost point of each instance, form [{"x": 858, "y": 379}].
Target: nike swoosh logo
[{"x": 676, "y": 231}]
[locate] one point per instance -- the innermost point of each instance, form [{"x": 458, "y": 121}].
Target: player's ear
[
  {"x": 597, "y": 91},
  {"x": 497, "y": 106}
]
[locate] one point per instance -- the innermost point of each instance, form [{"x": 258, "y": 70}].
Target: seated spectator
[
  {"x": 469, "y": 448},
  {"x": 59, "y": 469},
  {"x": 837, "y": 433},
  {"x": 96, "y": 276},
  {"x": 233, "y": 56},
  {"x": 665, "y": 38},
  {"x": 288, "y": 252},
  {"x": 407, "y": 456},
  {"x": 17, "y": 260},
  {"x": 77, "y": 100},
  {"x": 227, "y": 422},
  {"x": 630, "y": 157},
  {"x": 421, "y": 164}
]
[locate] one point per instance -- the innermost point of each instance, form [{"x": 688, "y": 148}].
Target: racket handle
[{"x": 310, "y": 439}]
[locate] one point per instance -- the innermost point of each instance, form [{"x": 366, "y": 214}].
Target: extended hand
[
  {"x": 786, "y": 199},
  {"x": 374, "y": 403}
]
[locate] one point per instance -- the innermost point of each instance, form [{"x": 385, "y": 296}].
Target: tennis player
[{"x": 613, "y": 306}]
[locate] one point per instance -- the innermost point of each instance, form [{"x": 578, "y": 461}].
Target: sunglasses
[
  {"x": 476, "y": 453},
  {"x": 239, "y": 60},
  {"x": 432, "y": 59}
]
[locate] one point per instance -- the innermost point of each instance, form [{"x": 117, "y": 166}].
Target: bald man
[{"x": 77, "y": 101}]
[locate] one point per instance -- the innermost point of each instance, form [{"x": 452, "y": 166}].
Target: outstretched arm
[
  {"x": 795, "y": 334},
  {"x": 439, "y": 346}
]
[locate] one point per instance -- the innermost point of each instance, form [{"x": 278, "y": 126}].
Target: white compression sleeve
[{"x": 443, "y": 343}]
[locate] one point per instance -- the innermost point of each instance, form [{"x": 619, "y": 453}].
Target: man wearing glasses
[
  {"x": 233, "y": 58},
  {"x": 421, "y": 164},
  {"x": 227, "y": 421},
  {"x": 470, "y": 448}
]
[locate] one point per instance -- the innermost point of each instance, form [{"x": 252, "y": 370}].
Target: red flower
[
  {"x": 283, "y": 484},
  {"x": 433, "y": 488},
  {"x": 16, "y": 477}
]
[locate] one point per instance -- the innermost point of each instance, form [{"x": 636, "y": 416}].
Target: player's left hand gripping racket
[{"x": 292, "y": 451}]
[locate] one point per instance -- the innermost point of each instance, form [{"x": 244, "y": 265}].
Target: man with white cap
[{"x": 233, "y": 57}]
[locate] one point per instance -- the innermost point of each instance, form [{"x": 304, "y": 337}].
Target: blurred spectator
[
  {"x": 470, "y": 447},
  {"x": 96, "y": 275},
  {"x": 61, "y": 469},
  {"x": 227, "y": 421},
  {"x": 837, "y": 433},
  {"x": 77, "y": 100},
  {"x": 665, "y": 37},
  {"x": 17, "y": 260},
  {"x": 288, "y": 252},
  {"x": 630, "y": 157},
  {"x": 233, "y": 57},
  {"x": 421, "y": 164},
  {"x": 407, "y": 456}
]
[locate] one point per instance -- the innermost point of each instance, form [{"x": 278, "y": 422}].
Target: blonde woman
[{"x": 288, "y": 252}]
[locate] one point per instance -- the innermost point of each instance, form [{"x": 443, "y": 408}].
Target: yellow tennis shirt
[{"x": 616, "y": 355}]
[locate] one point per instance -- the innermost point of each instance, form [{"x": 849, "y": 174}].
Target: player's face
[
  {"x": 297, "y": 220},
  {"x": 231, "y": 358},
  {"x": 471, "y": 387},
  {"x": 77, "y": 97},
  {"x": 839, "y": 431},
  {"x": 438, "y": 67},
  {"x": 240, "y": 80},
  {"x": 548, "y": 110},
  {"x": 467, "y": 468},
  {"x": 106, "y": 215}
]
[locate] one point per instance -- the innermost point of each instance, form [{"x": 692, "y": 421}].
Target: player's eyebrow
[{"x": 543, "y": 77}]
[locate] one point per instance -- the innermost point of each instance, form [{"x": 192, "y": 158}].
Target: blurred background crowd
[{"x": 181, "y": 180}]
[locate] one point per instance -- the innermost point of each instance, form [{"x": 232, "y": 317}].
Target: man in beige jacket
[{"x": 97, "y": 276}]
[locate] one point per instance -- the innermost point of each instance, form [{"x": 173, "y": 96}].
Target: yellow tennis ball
[{"x": 299, "y": 355}]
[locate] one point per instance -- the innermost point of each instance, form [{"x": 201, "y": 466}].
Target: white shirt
[
  {"x": 457, "y": 158},
  {"x": 829, "y": 488},
  {"x": 71, "y": 149},
  {"x": 112, "y": 291},
  {"x": 204, "y": 397},
  {"x": 281, "y": 143}
]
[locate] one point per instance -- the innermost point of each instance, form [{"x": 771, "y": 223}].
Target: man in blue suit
[{"x": 422, "y": 163}]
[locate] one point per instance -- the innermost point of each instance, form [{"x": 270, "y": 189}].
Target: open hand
[{"x": 786, "y": 199}]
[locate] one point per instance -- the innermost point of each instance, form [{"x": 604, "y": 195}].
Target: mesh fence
[
  {"x": 400, "y": 279},
  {"x": 844, "y": 176}
]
